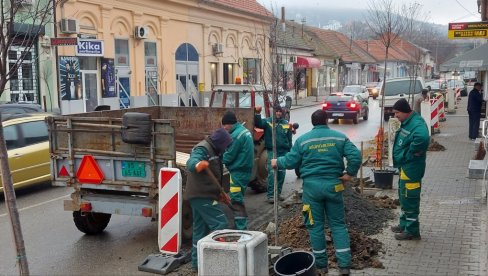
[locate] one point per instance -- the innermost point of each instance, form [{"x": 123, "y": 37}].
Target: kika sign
[{"x": 89, "y": 47}]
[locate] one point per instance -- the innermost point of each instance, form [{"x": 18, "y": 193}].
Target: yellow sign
[{"x": 468, "y": 30}]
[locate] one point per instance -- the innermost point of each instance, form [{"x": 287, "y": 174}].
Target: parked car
[
  {"x": 27, "y": 143},
  {"x": 436, "y": 85},
  {"x": 373, "y": 89},
  {"x": 344, "y": 106},
  {"x": 356, "y": 90},
  {"x": 9, "y": 109},
  {"x": 455, "y": 84},
  {"x": 397, "y": 88}
]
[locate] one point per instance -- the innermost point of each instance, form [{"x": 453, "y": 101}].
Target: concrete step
[{"x": 476, "y": 169}]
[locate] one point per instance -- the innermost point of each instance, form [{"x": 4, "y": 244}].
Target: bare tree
[
  {"x": 46, "y": 76},
  {"x": 387, "y": 22},
  {"x": 19, "y": 23}
]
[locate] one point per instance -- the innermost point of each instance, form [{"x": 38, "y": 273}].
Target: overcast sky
[{"x": 439, "y": 11}]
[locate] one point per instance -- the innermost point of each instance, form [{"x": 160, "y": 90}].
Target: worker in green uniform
[
  {"x": 283, "y": 145},
  {"x": 202, "y": 191},
  {"x": 409, "y": 154},
  {"x": 319, "y": 154},
  {"x": 239, "y": 160}
]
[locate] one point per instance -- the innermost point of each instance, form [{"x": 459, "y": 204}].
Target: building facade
[{"x": 142, "y": 53}]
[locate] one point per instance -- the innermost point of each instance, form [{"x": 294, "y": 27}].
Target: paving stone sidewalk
[{"x": 453, "y": 215}]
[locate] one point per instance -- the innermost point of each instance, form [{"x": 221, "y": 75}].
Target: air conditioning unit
[
  {"x": 218, "y": 48},
  {"x": 141, "y": 32},
  {"x": 23, "y": 2},
  {"x": 293, "y": 59},
  {"x": 69, "y": 26}
]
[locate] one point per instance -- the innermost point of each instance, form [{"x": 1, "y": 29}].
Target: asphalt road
[{"x": 55, "y": 247}]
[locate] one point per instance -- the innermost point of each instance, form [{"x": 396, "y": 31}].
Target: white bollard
[
  {"x": 425, "y": 113},
  {"x": 451, "y": 100}
]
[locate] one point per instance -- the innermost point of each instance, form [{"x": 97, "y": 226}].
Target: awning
[
  {"x": 473, "y": 60},
  {"x": 307, "y": 62}
]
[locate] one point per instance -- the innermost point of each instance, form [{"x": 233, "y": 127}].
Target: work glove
[
  {"x": 201, "y": 166},
  {"x": 258, "y": 109}
]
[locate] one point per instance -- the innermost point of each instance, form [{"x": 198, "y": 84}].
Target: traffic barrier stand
[{"x": 169, "y": 226}]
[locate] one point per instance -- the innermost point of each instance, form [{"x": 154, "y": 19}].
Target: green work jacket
[
  {"x": 240, "y": 154},
  {"x": 283, "y": 133},
  {"x": 410, "y": 147},
  {"x": 320, "y": 153}
]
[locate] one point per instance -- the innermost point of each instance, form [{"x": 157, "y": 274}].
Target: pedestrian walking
[
  {"x": 418, "y": 99},
  {"x": 475, "y": 99},
  {"x": 409, "y": 154},
  {"x": 239, "y": 160},
  {"x": 283, "y": 145},
  {"x": 201, "y": 190},
  {"x": 320, "y": 155}
]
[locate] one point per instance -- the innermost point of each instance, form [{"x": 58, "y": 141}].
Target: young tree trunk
[
  {"x": 10, "y": 201},
  {"x": 381, "y": 139}
]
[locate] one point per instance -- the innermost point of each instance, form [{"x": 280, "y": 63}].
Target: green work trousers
[
  {"x": 207, "y": 217},
  {"x": 409, "y": 197},
  {"x": 323, "y": 198},
  {"x": 281, "y": 175},
  {"x": 238, "y": 185}
]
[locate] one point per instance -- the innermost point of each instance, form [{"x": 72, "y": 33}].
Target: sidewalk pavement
[{"x": 453, "y": 215}]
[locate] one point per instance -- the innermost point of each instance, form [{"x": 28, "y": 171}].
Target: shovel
[{"x": 223, "y": 197}]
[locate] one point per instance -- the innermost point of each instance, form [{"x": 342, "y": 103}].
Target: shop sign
[{"x": 89, "y": 47}]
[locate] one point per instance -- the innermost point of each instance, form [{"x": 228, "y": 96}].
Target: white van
[{"x": 397, "y": 88}]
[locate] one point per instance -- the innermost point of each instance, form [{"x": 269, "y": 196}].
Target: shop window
[
  {"x": 186, "y": 52},
  {"x": 23, "y": 79},
  {"x": 251, "y": 71}
]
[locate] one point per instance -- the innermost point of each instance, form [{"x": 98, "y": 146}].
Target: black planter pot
[{"x": 383, "y": 179}]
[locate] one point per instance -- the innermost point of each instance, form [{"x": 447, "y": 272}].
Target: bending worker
[
  {"x": 201, "y": 189},
  {"x": 239, "y": 160},
  {"x": 409, "y": 154},
  {"x": 320, "y": 154},
  {"x": 283, "y": 145}
]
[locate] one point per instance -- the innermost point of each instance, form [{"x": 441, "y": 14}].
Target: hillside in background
[{"x": 433, "y": 37}]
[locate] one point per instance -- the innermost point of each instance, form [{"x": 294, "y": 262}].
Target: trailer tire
[
  {"x": 137, "y": 128},
  {"x": 91, "y": 223}
]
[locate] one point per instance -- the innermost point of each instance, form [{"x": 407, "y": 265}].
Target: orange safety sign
[{"x": 89, "y": 172}]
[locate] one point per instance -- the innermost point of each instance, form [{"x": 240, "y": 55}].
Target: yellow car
[{"x": 27, "y": 143}]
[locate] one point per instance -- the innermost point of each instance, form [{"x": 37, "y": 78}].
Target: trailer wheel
[{"x": 91, "y": 223}]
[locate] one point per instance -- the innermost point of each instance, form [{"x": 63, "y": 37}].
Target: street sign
[
  {"x": 89, "y": 47},
  {"x": 64, "y": 41},
  {"x": 468, "y": 30}
]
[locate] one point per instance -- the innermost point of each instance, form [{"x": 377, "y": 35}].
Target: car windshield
[
  {"x": 433, "y": 85},
  {"x": 455, "y": 83},
  {"x": 352, "y": 89},
  {"x": 397, "y": 87}
]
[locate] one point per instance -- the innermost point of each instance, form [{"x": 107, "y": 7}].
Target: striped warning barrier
[
  {"x": 170, "y": 204},
  {"x": 441, "y": 109},
  {"x": 434, "y": 114}
]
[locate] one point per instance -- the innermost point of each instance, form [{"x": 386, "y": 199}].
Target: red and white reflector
[{"x": 170, "y": 204}]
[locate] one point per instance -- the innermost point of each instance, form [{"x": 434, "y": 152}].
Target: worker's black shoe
[
  {"x": 396, "y": 229},
  {"x": 344, "y": 271},
  {"x": 281, "y": 198},
  {"x": 323, "y": 271},
  {"x": 404, "y": 236},
  {"x": 270, "y": 200}
]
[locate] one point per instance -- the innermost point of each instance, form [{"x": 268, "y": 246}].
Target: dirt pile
[
  {"x": 435, "y": 146},
  {"x": 364, "y": 216},
  {"x": 384, "y": 202}
]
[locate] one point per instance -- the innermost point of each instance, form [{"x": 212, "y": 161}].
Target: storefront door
[
  {"x": 123, "y": 86},
  {"x": 90, "y": 88}
]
